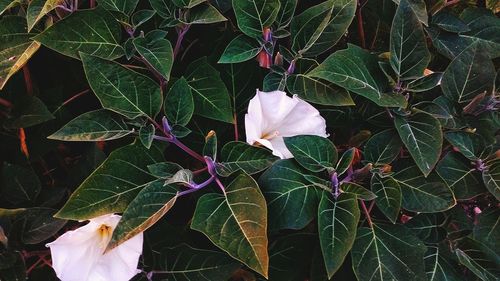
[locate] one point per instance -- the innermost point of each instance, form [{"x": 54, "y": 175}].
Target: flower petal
[
  {"x": 304, "y": 119},
  {"x": 274, "y": 108}
]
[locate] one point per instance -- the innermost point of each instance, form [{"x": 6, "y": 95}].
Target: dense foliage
[{"x": 138, "y": 108}]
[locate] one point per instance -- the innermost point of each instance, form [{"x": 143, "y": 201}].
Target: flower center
[
  {"x": 270, "y": 135},
  {"x": 105, "y": 233}
]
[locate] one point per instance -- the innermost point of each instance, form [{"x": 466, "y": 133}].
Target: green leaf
[
  {"x": 20, "y": 185},
  {"x": 421, "y": 194},
  {"x": 388, "y": 252},
  {"x": 254, "y": 15},
  {"x": 465, "y": 181},
  {"x": 37, "y": 9},
  {"x": 472, "y": 255},
  {"x": 409, "y": 54},
  {"x": 98, "y": 33},
  {"x": 15, "y": 45},
  {"x": 307, "y": 27},
  {"x": 292, "y": 200},
  {"x": 449, "y": 22},
  {"x": 315, "y": 90},
  {"x": 428, "y": 227},
  {"x": 314, "y": 153},
  {"x": 240, "y": 49},
  {"x": 210, "y": 95},
  {"x": 487, "y": 228},
  {"x": 438, "y": 265},
  {"x": 33, "y": 113},
  {"x": 179, "y": 104},
  {"x": 142, "y": 16},
  {"x": 345, "y": 161},
  {"x": 97, "y": 125},
  {"x": 236, "y": 222},
  {"x": 120, "y": 89},
  {"x": 146, "y": 135},
  {"x": 242, "y": 156},
  {"x": 287, "y": 255},
  {"x": 469, "y": 145},
  {"x": 337, "y": 224},
  {"x": 285, "y": 14},
  {"x": 203, "y": 14},
  {"x": 357, "y": 70},
  {"x": 341, "y": 17},
  {"x": 210, "y": 147},
  {"x": 149, "y": 206},
  {"x": 358, "y": 190},
  {"x": 40, "y": 225},
  {"x": 124, "y": 6},
  {"x": 425, "y": 83},
  {"x": 187, "y": 3},
  {"x": 491, "y": 177},
  {"x": 7, "y": 4},
  {"x": 164, "y": 8},
  {"x": 185, "y": 263},
  {"x": 468, "y": 75},
  {"x": 274, "y": 81},
  {"x": 484, "y": 27},
  {"x": 389, "y": 196},
  {"x": 158, "y": 54},
  {"x": 163, "y": 170},
  {"x": 421, "y": 134},
  {"x": 114, "y": 184},
  {"x": 183, "y": 177},
  {"x": 419, "y": 9},
  {"x": 382, "y": 148}
]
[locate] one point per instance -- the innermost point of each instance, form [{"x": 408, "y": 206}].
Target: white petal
[
  {"x": 75, "y": 252},
  {"x": 304, "y": 119},
  {"x": 279, "y": 148},
  {"x": 274, "y": 108},
  {"x": 119, "y": 264},
  {"x": 253, "y": 130}
]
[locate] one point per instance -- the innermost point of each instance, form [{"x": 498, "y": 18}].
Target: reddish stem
[
  {"x": 367, "y": 213},
  {"x": 66, "y": 102},
  {"x": 236, "y": 133},
  {"x": 27, "y": 80},
  {"x": 361, "y": 29},
  {"x": 92, "y": 4}
]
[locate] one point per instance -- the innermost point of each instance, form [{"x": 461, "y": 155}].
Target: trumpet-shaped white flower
[
  {"x": 274, "y": 115},
  {"x": 78, "y": 255}
]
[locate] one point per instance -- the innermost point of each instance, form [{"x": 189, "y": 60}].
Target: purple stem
[
  {"x": 196, "y": 187},
  {"x": 180, "y": 37}
]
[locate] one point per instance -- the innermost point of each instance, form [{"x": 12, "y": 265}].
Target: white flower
[
  {"x": 78, "y": 255},
  {"x": 274, "y": 115}
]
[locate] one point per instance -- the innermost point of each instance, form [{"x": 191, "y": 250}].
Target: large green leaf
[
  {"x": 307, "y": 27},
  {"x": 468, "y": 75},
  {"x": 124, "y": 6},
  {"x": 291, "y": 198},
  {"x": 477, "y": 259},
  {"x": 187, "y": 3},
  {"x": 149, "y": 206},
  {"x": 209, "y": 92},
  {"x": 32, "y": 112},
  {"x": 202, "y": 14},
  {"x": 484, "y": 28},
  {"x": 40, "y": 225},
  {"x": 237, "y": 155},
  {"x": 421, "y": 194},
  {"x": 236, "y": 222},
  {"x": 185, "y": 263},
  {"x": 356, "y": 189},
  {"x": 313, "y": 89},
  {"x": 419, "y": 9},
  {"x": 98, "y": 33},
  {"x": 39, "y": 8},
  {"x": 254, "y": 15},
  {"x": 285, "y": 14},
  {"x": 491, "y": 177},
  {"x": 487, "y": 228},
  {"x": 114, "y": 184},
  {"x": 16, "y": 47},
  {"x": 20, "y": 185},
  {"x": 340, "y": 19},
  {"x": 463, "y": 179},
  {"x": 470, "y": 145},
  {"x": 7, "y": 4},
  {"x": 157, "y": 53},
  {"x": 314, "y": 153},
  {"x": 164, "y": 8},
  {"x": 409, "y": 54},
  {"x": 179, "y": 104},
  {"x": 389, "y": 196},
  {"x": 438, "y": 264},
  {"x": 337, "y": 224},
  {"x": 428, "y": 227},
  {"x": 382, "y": 148},
  {"x": 240, "y": 49},
  {"x": 357, "y": 70},
  {"x": 120, "y": 89},
  {"x": 388, "y": 252},
  {"x": 97, "y": 125},
  {"x": 421, "y": 134}
]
